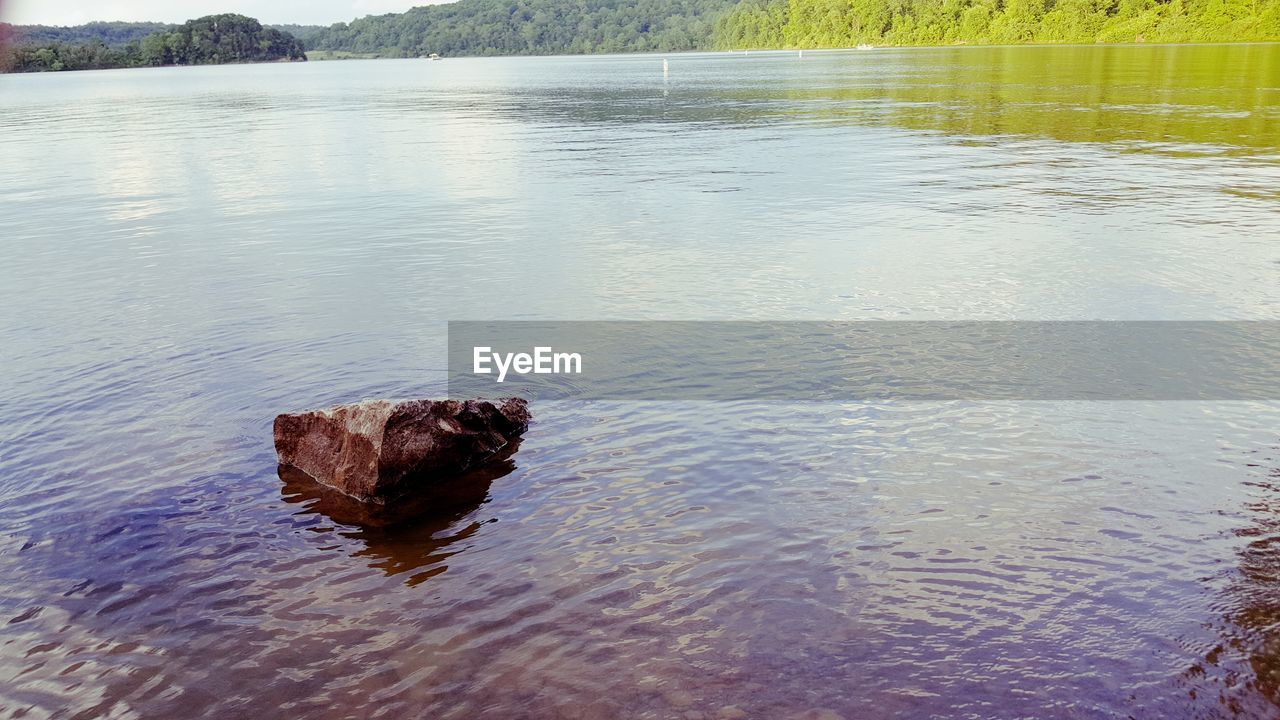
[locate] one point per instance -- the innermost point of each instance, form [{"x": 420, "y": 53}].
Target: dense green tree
[
  {"x": 521, "y": 27},
  {"x": 524, "y": 27},
  {"x": 111, "y": 34},
  {"x": 208, "y": 40},
  {"x": 845, "y": 23},
  {"x": 302, "y": 32}
]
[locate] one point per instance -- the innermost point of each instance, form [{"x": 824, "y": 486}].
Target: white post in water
[
  {"x": 800, "y": 54},
  {"x": 665, "y": 70}
]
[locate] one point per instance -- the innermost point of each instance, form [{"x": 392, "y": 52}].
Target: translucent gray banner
[{"x": 865, "y": 361}]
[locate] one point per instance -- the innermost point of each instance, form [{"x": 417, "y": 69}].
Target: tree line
[
  {"x": 530, "y": 27},
  {"x": 110, "y": 33},
  {"x": 516, "y": 27},
  {"x": 847, "y": 23},
  {"x": 525, "y": 27},
  {"x": 210, "y": 40}
]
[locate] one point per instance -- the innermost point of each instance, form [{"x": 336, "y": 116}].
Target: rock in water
[{"x": 378, "y": 449}]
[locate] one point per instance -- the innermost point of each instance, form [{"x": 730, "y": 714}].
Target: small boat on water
[
  {"x": 432, "y": 56},
  {"x": 866, "y": 47}
]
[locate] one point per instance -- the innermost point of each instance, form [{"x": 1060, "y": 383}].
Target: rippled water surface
[{"x": 188, "y": 251}]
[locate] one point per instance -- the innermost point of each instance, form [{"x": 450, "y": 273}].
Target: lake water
[{"x": 189, "y": 251}]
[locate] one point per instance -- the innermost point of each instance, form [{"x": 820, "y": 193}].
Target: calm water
[{"x": 187, "y": 252}]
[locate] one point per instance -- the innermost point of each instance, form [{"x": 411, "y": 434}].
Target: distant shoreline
[
  {"x": 343, "y": 55},
  {"x": 327, "y": 55}
]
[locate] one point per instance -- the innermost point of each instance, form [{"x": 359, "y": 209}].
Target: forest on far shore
[
  {"x": 210, "y": 40},
  {"x": 847, "y": 23},
  {"x": 524, "y": 27},
  {"x": 543, "y": 27}
]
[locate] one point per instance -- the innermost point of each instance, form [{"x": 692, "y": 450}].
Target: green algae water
[{"x": 189, "y": 251}]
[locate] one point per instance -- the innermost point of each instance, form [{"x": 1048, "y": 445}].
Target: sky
[{"x": 303, "y": 12}]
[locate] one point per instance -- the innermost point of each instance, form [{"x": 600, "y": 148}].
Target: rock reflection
[
  {"x": 1256, "y": 611},
  {"x": 415, "y": 535},
  {"x": 1243, "y": 668}
]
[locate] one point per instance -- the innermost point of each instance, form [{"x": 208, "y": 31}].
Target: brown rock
[{"x": 376, "y": 450}]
